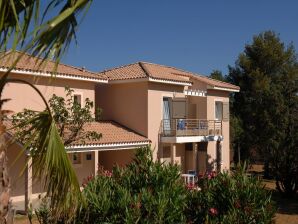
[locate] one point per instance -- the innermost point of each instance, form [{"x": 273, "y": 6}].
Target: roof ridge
[
  {"x": 142, "y": 65},
  {"x": 191, "y": 73},
  {"x": 121, "y": 66}
]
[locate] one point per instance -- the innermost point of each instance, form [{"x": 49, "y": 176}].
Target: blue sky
[{"x": 194, "y": 35}]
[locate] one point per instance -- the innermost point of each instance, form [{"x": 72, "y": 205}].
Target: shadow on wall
[{"x": 205, "y": 162}]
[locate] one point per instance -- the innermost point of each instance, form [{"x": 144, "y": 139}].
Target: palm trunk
[{"x": 5, "y": 204}]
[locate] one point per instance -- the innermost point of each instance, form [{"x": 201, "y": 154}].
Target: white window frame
[
  {"x": 76, "y": 164},
  {"x": 218, "y": 101},
  {"x": 79, "y": 94}
]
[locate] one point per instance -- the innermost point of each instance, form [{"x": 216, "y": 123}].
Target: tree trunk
[
  {"x": 239, "y": 158},
  {"x": 5, "y": 204}
]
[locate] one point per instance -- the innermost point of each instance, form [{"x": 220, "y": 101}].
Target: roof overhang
[
  {"x": 170, "y": 82},
  {"x": 60, "y": 76},
  {"x": 223, "y": 89},
  {"x": 106, "y": 147},
  {"x": 149, "y": 79}
]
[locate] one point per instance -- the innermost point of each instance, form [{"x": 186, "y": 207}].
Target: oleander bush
[
  {"x": 230, "y": 198},
  {"x": 143, "y": 192},
  {"x": 150, "y": 192}
]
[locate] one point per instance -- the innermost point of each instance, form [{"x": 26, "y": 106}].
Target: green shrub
[
  {"x": 230, "y": 198},
  {"x": 151, "y": 192},
  {"x": 143, "y": 192}
]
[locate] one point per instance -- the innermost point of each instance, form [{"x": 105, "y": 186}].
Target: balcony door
[{"x": 166, "y": 116}]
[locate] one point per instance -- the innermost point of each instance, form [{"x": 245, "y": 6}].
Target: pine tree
[{"x": 267, "y": 73}]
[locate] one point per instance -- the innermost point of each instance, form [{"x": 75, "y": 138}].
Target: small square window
[
  {"x": 77, "y": 98},
  {"x": 88, "y": 157},
  {"x": 76, "y": 158}
]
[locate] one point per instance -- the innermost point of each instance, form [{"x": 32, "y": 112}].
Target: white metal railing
[{"x": 190, "y": 127}]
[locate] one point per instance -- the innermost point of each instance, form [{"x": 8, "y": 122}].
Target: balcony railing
[{"x": 190, "y": 127}]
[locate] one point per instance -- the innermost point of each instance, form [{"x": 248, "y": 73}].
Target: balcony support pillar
[
  {"x": 95, "y": 163},
  {"x": 173, "y": 153},
  {"x": 28, "y": 184},
  {"x": 195, "y": 156}
]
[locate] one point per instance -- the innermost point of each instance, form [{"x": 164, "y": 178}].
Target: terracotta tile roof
[
  {"x": 214, "y": 82},
  {"x": 29, "y": 63},
  {"x": 142, "y": 70},
  {"x": 112, "y": 133},
  {"x": 160, "y": 72}
]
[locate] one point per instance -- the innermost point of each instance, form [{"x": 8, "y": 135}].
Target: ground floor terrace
[
  {"x": 116, "y": 147},
  {"x": 25, "y": 190},
  {"x": 193, "y": 157}
]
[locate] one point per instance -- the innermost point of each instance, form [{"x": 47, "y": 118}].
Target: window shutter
[
  {"x": 226, "y": 111},
  {"x": 179, "y": 109}
]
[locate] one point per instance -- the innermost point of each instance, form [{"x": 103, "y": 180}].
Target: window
[
  {"x": 88, "y": 156},
  {"x": 218, "y": 110},
  {"x": 76, "y": 158},
  {"x": 179, "y": 109},
  {"x": 77, "y": 98},
  {"x": 188, "y": 146},
  {"x": 166, "y": 116}
]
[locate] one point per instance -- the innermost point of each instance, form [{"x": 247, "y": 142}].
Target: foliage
[
  {"x": 230, "y": 198},
  {"x": 43, "y": 212},
  {"x": 70, "y": 118},
  {"x": 267, "y": 105},
  {"x": 43, "y": 29},
  {"x": 50, "y": 160},
  {"x": 151, "y": 192},
  {"x": 216, "y": 74},
  {"x": 47, "y": 34},
  {"x": 236, "y": 133},
  {"x": 143, "y": 192}
]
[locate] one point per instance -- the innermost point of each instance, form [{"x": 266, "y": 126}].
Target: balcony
[{"x": 206, "y": 130}]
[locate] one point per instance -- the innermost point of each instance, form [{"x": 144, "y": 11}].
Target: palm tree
[{"x": 29, "y": 26}]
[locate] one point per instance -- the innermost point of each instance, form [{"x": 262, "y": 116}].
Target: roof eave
[
  {"x": 150, "y": 79},
  {"x": 58, "y": 75},
  {"x": 106, "y": 146},
  {"x": 223, "y": 89},
  {"x": 180, "y": 83}
]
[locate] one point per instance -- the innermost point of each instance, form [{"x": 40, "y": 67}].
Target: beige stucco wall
[
  {"x": 15, "y": 169},
  {"x": 23, "y": 96},
  {"x": 86, "y": 168},
  {"x": 125, "y": 103},
  {"x": 214, "y": 95},
  {"x": 200, "y": 104},
  {"x": 180, "y": 158},
  {"x": 107, "y": 159},
  {"x": 156, "y": 92}
]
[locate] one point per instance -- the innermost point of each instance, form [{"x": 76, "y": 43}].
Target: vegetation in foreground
[{"x": 151, "y": 192}]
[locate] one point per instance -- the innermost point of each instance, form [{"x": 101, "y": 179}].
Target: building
[{"x": 184, "y": 116}]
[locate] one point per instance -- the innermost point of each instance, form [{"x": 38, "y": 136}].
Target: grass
[{"x": 287, "y": 207}]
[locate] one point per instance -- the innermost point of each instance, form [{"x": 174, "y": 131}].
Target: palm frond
[
  {"x": 23, "y": 26},
  {"x": 50, "y": 161}
]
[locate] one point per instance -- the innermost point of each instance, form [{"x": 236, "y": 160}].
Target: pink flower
[
  {"x": 87, "y": 180},
  {"x": 213, "y": 174},
  {"x": 190, "y": 186},
  {"x": 213, "y": 211},
  {"x": 107, "y": 173},
  {"x": 237, "y": 204}
]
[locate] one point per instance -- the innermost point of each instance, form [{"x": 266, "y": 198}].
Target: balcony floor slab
[{"x": 187, "y": 139}]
